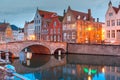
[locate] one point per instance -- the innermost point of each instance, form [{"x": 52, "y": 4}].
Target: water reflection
[
  {"x": 70, "y": 67},
  {"x": 35, "y": 60}
]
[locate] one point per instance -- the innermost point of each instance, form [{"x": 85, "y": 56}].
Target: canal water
[{"x": 68, "y": 67}]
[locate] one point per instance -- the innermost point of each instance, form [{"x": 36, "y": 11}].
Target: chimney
[
  {"x": 97, "y": 19},
  {"x": 89, "y": 14},
  {"x": 64, "y": 12}
]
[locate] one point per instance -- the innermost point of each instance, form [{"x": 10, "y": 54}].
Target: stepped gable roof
[
  {"x": 46, "y": 14},
  {"x": 81, "y": 14},
  {"x": 3, "y": 26},
  {"x": 115, "y": 9}
]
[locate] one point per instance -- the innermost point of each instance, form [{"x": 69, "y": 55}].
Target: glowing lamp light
[
  {"x": 103, "y": 70},
  {"x": 90, "y": 71},
  {"x": 89, "y": 78},
  {"x": 29, "y": 55}
]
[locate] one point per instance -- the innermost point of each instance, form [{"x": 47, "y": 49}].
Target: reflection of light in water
[
  {"x": 22, "y": 57},
  {"x": 103, "y": 70},
  {"x": 100, "y": 76},
  {"x": 28, "y": 62},
  {"x": 29, "y": 55},
  {"x": 89, "y": 78}
]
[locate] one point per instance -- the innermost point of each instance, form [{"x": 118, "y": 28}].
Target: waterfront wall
[{"x": 94, "y": 49}]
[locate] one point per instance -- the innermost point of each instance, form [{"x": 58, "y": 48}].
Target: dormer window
[
  {"x": 78, "y": 17},
  {"x": 68, "y": 18},
  {"x": 84, "y": 18},
  {"x": 110, "y": 14}
]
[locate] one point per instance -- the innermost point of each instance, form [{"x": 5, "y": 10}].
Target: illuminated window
[
  {"x": 68, "y": 18},
  {"x": 73, "y": 35}
]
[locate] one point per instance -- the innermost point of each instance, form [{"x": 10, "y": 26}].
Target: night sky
[{"x": 18, "y": 11}]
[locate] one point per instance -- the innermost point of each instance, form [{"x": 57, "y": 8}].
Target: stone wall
[{"x": 94, "y": 49}]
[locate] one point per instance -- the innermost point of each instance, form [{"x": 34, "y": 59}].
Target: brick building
[
  {"x": 80, "y": 27},
  {"x": 6, "y": 34}
]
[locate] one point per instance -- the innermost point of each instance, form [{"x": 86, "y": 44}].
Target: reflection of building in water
[{"x": 112, "y": 73}]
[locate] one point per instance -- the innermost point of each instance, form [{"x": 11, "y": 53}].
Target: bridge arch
[
  {"x": 36, "y": 48},
  {"x": 17, "y": 47}
]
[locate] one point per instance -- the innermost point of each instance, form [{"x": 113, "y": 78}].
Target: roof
[
  {"x": 115, "y": 9},
  {"x": 81, "y": 14},
  {"x": 60, "y": 18},
  {"x": 15, "y": 28},
  {"x": 3, "y": 26},
  {"x": 46, "y": 14}
]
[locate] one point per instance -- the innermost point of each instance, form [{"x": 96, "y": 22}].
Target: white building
[
  {"x": 112, "y": 23},
  {"x": 21, "y": 35},
  {"x": 29, "y": 31},
  {"x": 15, "y": 31}
]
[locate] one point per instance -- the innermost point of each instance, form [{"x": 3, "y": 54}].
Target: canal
[{"x": 68, "y": 67}]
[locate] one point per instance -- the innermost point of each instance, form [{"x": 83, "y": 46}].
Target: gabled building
[
  {"x": 29, "y": 30},
  {"x": 55, "y": 29},
  {"x": 80, "y": 27},
  {"x": 39, "y": 16},
  {"x": 112, "y": 24},
  {"x": 6, "y": 34},
  {"x": 48, "y": 26}
]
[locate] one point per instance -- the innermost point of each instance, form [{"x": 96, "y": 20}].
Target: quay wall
[{"x": 96, "y": 49}]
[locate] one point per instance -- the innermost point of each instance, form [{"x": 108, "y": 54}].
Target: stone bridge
[{"x": 35, "y": 47}]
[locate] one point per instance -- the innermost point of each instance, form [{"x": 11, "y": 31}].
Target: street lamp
[{"x": 89, "y": 30}]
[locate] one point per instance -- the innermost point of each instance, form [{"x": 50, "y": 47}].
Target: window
[
  {"x": 55, "y": 24},
  {"x": 64, "y": 27},
  {"x": 73, "y": 35},
  {"x": 58, "y": 30},
  {"x": 64, "y": 35},
  {"x": 118, "y": 22},
  {"x": 54, "y": 38},
  {"x": 108, "y": 23},
  {"x": 113, "y": 22},
  {"x": 113, "y": 33},
  {"x": 51, "y": 31},
  {"x": 68, "y": 18},
  {"x": 110, "y": 14},
  {"x": 108, "y": 33}
]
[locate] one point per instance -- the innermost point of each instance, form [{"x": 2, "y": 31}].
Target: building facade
[
  {"x": 112, "y": 24},
  {"x": 55, "y": 29},
  {"x": 29, "y": 30},
  {"x": 6, "y": 34},
  {"x": 80, "y": 27},
  {"x": 15, "y": 31}
]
